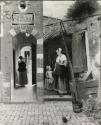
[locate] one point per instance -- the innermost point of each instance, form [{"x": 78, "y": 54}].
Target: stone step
[{"x": 57, "y": 98}]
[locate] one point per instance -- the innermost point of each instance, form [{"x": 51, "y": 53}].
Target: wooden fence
[{"x": 85, "y": 88}]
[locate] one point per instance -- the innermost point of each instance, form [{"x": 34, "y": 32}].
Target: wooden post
[
  {"x": 99, "y": 71},
  {"x": 69, "y": 61}
]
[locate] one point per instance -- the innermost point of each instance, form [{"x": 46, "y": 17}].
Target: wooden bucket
[{"x": 77, "y": 107}]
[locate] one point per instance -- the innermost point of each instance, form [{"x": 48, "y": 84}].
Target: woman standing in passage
[{"x": 22, "y": 72}]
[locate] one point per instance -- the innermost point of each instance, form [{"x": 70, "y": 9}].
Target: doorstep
[{"x": 57, "y": 98}]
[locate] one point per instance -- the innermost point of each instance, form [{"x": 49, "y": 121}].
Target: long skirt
[
  {"x": 55, "y": 82},
  {"x": 62, "y": 89},
  {"x": 23, "y": 78},
  {"x": 49, "y": 84}
]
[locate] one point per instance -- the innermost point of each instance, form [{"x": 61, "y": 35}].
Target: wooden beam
[{"x": 69, "y": 61}]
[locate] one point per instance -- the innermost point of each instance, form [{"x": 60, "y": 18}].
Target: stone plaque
[{"x": 22, "y": 19}]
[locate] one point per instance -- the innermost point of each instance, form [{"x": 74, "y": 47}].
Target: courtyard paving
[{"x": 46, "y": 113}]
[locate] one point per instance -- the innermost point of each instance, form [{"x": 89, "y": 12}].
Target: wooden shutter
[
  {"x": 84, "y": 52},
  {"x": 33, "y": 64},
  {"x": 78, "y": 53}
]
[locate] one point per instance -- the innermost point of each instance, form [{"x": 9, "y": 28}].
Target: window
[{"x": 23, "y": 6}]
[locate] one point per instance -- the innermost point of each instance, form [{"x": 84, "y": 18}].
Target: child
[{"x": 49, "y": 81}]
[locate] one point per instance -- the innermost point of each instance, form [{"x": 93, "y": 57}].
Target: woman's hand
[{"x": 64, "y": 63}]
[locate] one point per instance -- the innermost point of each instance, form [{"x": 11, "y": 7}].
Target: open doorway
[
  {"x": 24, "y": 46},
  {"x": 26, "y": 53},
  {"x": 50, "y": 47}
]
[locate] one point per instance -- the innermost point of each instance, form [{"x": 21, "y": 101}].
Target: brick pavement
[{"x": 47, "y": 113}]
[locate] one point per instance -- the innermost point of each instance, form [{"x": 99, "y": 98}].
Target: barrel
[{"x": 77, "y": 107}]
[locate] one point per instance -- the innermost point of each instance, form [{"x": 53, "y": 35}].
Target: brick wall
[
  {"x": 93, "y": 35},
  {"x": 6, "y": 49},
  {"x": 92, "y": 28}
]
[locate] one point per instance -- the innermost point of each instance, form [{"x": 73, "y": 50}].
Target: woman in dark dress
[
  {"x": 60, "y": 72},
  {"x": 22, "y": 72}
]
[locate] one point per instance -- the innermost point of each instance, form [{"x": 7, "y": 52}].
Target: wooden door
[
  {"x": 33, "y": 64},
  {"x": 14, "y": 68},
  {"x": 79, "y": 53}
]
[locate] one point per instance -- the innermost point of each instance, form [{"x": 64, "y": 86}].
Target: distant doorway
[
  {"x": 27, "y": 54},
  {"x": 27, "y": 49},
  {"x": 24, "y": 46}
]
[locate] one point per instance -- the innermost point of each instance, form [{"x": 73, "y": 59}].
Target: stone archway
[
  {"x": 30, "y": 23},
  {"x": 19, "y": 42},
  {"x": 7, "y": 58}
]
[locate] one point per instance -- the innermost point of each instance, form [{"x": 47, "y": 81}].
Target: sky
[{"x": 57, "y": 9}]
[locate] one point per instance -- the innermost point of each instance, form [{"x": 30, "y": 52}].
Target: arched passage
[
  {"x": 26, "y": 46},
  {"x": 50, "y": 47}
]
